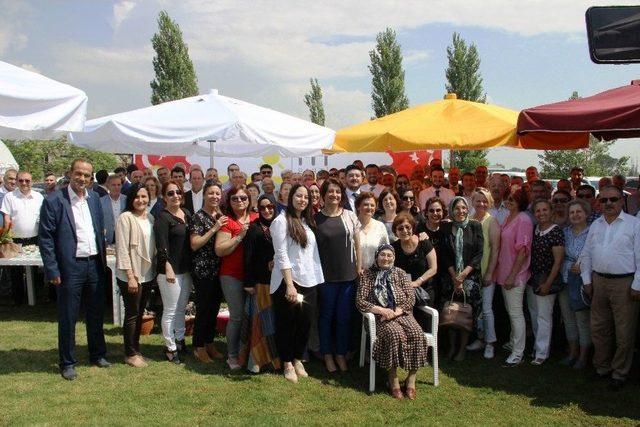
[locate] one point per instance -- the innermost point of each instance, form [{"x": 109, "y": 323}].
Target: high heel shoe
[{"x": 172, "y": 356}]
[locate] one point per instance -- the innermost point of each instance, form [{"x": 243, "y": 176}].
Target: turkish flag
[
  {"x": 405, "y": 161},
  {"x": 155, "y": 162}
]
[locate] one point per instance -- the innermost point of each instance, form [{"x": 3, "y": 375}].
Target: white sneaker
[
  {"x": 512, "y": 361},
  {"x": 488, "y": 351},
  {"x": 475, "y": 346}
]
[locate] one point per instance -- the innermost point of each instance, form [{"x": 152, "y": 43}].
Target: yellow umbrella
[{"x": 448, "y": 124}]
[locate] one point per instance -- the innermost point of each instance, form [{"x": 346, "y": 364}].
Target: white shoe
[
  {"x": 512, "y": 361},
  {"x": 488, "y": 351},
  {"x": 290, "y": 375},
  {"x": 299, "y": 368},
  {"x": 475, "y": 346}
]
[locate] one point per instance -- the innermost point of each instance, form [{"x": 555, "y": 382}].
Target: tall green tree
[
  {"x": 56, "y": 156},
  {"x": 313, "y": 100},
  {"x": 595, "y": 159},
  {"x": 175, "y": 75},
  {"x": 464, "y": 79},
  {"x": 388, "y": 93}
]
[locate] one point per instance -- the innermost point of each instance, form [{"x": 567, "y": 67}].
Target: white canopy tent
[
  {"x": 7, "y": 161},
  {"x": 33, "y": 106},
  {"x": 208, "y": 124}
]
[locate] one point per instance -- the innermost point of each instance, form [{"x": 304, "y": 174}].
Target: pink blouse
[{"x": 515, "y": 235}]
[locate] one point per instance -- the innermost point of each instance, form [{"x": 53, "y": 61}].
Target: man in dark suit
[
  {"x": 193, "y": 198},
  {"x": 73, "y": 253}
]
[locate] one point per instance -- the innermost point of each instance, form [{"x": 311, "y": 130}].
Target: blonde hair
[{"x": 481, "y": 191}]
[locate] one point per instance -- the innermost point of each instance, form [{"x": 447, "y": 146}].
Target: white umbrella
[
  {"x": 188, "y": 126},
  {"x": 181, "y": 127},
  {"x": 33, "y": 106},
  {"x": 7, "y": 161}
]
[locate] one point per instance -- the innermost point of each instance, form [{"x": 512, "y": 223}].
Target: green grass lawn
[{"x": 475, "y": 392}]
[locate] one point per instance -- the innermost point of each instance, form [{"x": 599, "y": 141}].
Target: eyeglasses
[
  {"x": 239, "y": 198},
  {"x": 24, "y": 181},
  {"x": 604, "y": 200},
  {"x": 558, "y": 201},
  {"x": 408, "y": 198},
  {"x": 266, "y": 207},
  {"x": 584, "y": 196},
  {"x": 404, "y": 227},
  {"x": 172, "y": 193},
  {"x": 435, "y": 211}
]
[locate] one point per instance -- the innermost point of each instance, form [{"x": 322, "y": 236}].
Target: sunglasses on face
[
  {"x": 172, "y": 193},
  {"x": 24, "y": 181},
  {"x": 239, "y": 198},
  {"x": 408, "y": 198},
  {"x": 266, "y": 207},
  {"x": 604, "y": 200}
]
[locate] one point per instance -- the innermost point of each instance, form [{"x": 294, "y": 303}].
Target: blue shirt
[{"x": 573, "y": 245}]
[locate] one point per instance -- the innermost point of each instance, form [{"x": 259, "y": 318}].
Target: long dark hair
[
  {"x": 294, "y": 222},
  {"x": 414, "y": 209},
  {"x": 133, "y": 192}
]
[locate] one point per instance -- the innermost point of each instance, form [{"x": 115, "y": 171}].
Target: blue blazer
[
  {"x": 57, "y": 233},
  {"x": 109, "y": 220}
]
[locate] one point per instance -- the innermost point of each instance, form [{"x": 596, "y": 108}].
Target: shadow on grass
[
  {"x": 550, "y": 385},
  {"x": 38, "y": 313}
]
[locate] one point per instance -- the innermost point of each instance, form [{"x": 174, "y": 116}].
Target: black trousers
[
  {"x": 18, "y": 280},
  {"x": 293, "y": 321},
  {"x": 134, "y": 305},
  {"x": 208, "y": 299}
]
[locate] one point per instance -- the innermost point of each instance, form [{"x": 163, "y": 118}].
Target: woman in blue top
[{"x": 573, "y": 302}]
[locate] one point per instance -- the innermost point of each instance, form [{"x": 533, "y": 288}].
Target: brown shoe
[
  {"x": 396, "y": 393},
  {"x": 136, "y": 361},
  {"x": 213, "y": 352},
  {"x": 201, "y": 354},
  {"x": 410, "y": 393}
]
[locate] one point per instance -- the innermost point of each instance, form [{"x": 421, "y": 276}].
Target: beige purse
[{"x": 457, "y": 315}]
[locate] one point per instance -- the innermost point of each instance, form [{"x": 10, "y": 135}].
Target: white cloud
[
  {"x": 12, "y": 35},
  {"x": 121, "y": 12},
  {"x": 30, "y": 67}
]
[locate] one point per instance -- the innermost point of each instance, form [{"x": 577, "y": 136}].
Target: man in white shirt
[
  {"x": 467, "y": 189},
  {"x": 372, "y": 171},
  {"x": 230, "y": 170},
  {"x": 498, "y": 192},
  {"x": 354, "y": 181},
  {"x": 8, "y": 185},
  {"x": 21, "y": 210},
  {"x": 112, "y": 207},
  {"x": 436, "y": 190},
  {"x": 610, "y": 270}
]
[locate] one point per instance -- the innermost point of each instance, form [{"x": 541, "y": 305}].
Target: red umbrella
[{"x": 565, "y": 125}]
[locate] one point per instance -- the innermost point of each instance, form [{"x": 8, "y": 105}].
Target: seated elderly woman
[{"x": 386, "y": 292}]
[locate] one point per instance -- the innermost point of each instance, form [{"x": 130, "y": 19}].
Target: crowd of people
[{"x": 296, "y": 263}]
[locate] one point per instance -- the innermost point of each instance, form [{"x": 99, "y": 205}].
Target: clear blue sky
[{"x": 265, "y": 52}]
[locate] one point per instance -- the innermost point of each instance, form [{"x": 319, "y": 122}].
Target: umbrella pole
[{"x": 211, "y": 153}]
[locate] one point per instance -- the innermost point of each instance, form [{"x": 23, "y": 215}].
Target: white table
[{"x": 33, "y": 259}]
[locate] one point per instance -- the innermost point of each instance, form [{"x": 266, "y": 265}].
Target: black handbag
[
  {"x": 537, "y": 279},
  {"x": 422, "y": 296}
]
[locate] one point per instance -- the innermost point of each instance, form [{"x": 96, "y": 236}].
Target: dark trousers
[
  {"x": 293, "y": 321},
  {"x": 134, "y": 305},
  {"x": 85, "y": 283},
  {"x": 208, "y": 298},
  {"x": 336, "y": 301},
  {"x": 18, "y": 273}
]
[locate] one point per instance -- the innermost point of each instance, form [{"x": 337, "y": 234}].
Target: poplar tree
[
  {"x": 313, "y": 100},
  {"x": 175, "y": 76},
  {"x": 388, "y": 93}
]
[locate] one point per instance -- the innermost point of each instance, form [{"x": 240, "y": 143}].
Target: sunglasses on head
[
  {"x": 239, "y": 198},
  {"x": 172, "y": 193},
  {"x": 604, "y": 200},
  {"x": 265, "y": 207}
]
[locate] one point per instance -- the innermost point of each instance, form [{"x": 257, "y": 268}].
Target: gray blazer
[{"x": 109, "y": 220}]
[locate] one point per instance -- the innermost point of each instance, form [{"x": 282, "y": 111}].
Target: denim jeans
[{"x": 233, "y": 290}]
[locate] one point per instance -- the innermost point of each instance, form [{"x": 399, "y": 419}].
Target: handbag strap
[{"x": 464, "y": 296}]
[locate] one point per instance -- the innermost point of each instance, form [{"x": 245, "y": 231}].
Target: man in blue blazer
[
  {"x": 112, "y": 206},
  {"x": 74, "y": 257}
]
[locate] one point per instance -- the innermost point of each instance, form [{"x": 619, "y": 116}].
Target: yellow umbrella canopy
[{"x": 448, "y": 124}]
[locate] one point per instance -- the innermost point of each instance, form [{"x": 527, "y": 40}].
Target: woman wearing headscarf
[
  {"x": 386, "y": 292},
  {"x": 257, "y": 336},
  {"x": 462, "y": 244}
]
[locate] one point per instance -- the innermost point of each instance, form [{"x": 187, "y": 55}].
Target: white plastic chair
[{"x": 369, "y": 328}]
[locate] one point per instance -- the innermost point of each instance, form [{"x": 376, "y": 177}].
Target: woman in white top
[
  {"x": 372, "y": 233},
  {"x": 135, "y": 269},
  {"x": 296, "y": 273}
]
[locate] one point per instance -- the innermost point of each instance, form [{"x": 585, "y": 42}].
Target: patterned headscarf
[
  {"x": 382, "y": 289},
  {"x": 460, "y": 226}
]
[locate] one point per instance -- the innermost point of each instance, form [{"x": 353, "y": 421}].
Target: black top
[
  {"x": 205, "y": 262},
  {"x": 472, "y": 246},
  {"x": 421, "y": 223},
  {"x": 541, "y": 250},
  {"x": 414, "y": 263},
  {"x": 337, "y": 254},
  {"x": 172, "y": 242},
  {"x": 258, "y": 253}
]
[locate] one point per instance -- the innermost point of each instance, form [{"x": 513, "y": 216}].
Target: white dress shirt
[
  {"x": 500, "y": 213},
  {"x": 612, "y": 249},
  {"x": 443, "y": 193},
  {"x": 24, "y": 211},
  {"x": 86, "y": 236},
  {"x": 375, "y": 189},
  {"x": 115, "y": 207},
  {"x": 197, "y": 200},
  {"x": 304, "y": 263},
  {"x": 352, "y": 195}
]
